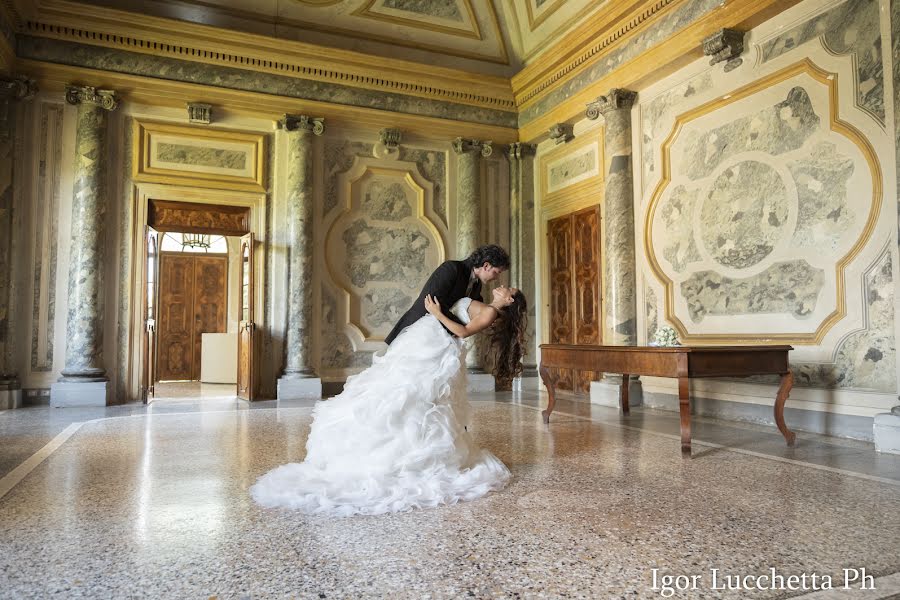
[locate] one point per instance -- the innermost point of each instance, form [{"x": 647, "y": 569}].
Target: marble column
[
  {"x": 521, "y": 238},
  {"x": 620, "y": 313},
  {"x": 619, "y": 285},
  {"x": 84, "y": 380},
  {"x": 299, "y": 378},
  {"x": 12, "y": 90},
  {"x": 887, "y": 425},
  {"x": 468, "y": 235}
]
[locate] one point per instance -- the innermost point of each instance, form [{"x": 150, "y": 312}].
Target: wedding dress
[{"x": 395, "y": 438}]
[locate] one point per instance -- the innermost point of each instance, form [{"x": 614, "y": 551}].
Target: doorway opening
[
  {"x": 196, "y": 325},
  {"x": 198, "y": 301}
]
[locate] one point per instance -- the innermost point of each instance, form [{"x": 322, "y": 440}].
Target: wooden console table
[{"x": 681, "y": 362}]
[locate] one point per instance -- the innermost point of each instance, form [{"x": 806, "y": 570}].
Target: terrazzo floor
[{"x": 151, "y": 502}]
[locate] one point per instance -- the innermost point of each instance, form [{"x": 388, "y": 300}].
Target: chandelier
[{"x": 195, "y": 240}]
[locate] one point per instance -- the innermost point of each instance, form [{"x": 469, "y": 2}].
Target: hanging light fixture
[{"x": 195, "y": 240}]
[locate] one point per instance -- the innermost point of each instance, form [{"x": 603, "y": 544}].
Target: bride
[{"x": 396, "y": 438}]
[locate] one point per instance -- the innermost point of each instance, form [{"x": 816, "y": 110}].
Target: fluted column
[
  {"x": 620, "y": 313},
  {"x": 468, "y": 217},
  {"x": 12, "y": 90},
  {"x": 299, "y": 378},
  {"x": 87, "y": 264},
  {"x": 521, "y": 236}
]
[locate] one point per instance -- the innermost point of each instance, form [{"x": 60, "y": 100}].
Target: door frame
[{"x": 143, "y": 193}]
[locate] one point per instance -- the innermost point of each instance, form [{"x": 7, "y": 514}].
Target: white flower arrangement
[{"x": 665, "y": 336}]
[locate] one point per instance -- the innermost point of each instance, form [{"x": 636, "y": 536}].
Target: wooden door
[
  {"x": 176, "y": 317},
  {"x": 210, "y": 301},
  {"x": 192, "y": 301},
  {"x": 559, "y": 233},
  {"x": 245, "y": 367},
  {"x": 574, "y": 253},
  {"x": 151, "y": 274},
  {"x": 586, "y": 285}
]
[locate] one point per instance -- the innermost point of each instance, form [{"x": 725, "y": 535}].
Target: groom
[{"x": 456, "y": 279}]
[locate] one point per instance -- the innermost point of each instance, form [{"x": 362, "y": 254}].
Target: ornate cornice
[
  {"x": 520, "y": 150},
  {"x": 463, "y": 146},
  {"x": 110, "y": 28},
  {"x": 615, "y": 99},
  {"x": 86, "y": 94},
  {"x": 302, "y": 123},
  {"x": 587, "y": 44}
]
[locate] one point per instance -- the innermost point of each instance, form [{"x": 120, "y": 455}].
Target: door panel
[
  {"x": 586, "y": 268},
  {"x": 210, "y": 301},
  {"x": 245, "y": 371},
  {"x": 574, "y": 253},
  {"x": 175, "y": 331}
]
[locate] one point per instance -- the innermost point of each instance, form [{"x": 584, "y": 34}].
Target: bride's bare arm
[{"x": 481, "y": 321}]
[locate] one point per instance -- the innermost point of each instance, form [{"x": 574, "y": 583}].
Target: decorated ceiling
[{"x": 495, "y": 37}]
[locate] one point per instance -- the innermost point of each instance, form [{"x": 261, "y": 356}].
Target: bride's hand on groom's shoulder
[{"x": 432, "y": 304}]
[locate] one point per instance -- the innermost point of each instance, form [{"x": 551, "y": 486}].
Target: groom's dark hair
[{"x": 493, "y": 254}]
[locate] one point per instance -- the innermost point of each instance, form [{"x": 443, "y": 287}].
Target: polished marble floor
[{"x": 151, "y": 502}]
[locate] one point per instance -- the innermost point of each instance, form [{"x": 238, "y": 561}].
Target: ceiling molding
[
  {"x": 534, "y": 23},
  {"x": 615, "y": 24},
  {"x": 150, "y": 91},
  {"x": 71, "y": 21},
  {"x": 662, "y": 59}
]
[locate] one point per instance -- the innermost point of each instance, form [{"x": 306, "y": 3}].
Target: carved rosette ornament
[
  {"x": 86, "y": 94},
  {"x": 464, "y": 145},
  {"x": 725, "y": 45},
  {"x": 615, "y": 99},
  {"x": 304, "y": 123},
  {"x": 520, "y": 150},
  {"x": 562, "y": 133}
]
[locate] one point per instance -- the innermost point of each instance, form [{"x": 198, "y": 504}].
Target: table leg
[
  {"x": 684, "y": 407},
  {"x": 550, "y": 381},
  {"x": 623, "y": 392},
  {"x": 787, "y": 382}
]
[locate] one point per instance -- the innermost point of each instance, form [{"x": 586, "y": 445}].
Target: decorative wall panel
[
  {"x": 751, "y": 217},
  {"x": 382, "y": 246},
  {"x": 185, "y": 155}
]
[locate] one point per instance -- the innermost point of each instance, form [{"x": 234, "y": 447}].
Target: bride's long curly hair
[{"x": 508, "y": 340}]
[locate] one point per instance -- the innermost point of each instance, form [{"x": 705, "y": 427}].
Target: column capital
[
  {"x": 464, "y": 145},
  {"x": 302, "y": 123},
  {"x": 86, "y": 94},
  {"x": 725, "y": 45},
  {"x": 520, "y": 150},
  {"x": 615, "y": 99},
  {"x": 17, "y": 88}
]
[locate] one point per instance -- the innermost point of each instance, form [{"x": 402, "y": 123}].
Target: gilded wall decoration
[
  {"x": 850, "y": 27},
  {"x": 190, "y": 155},
  {"x": 751, "y": 216}
]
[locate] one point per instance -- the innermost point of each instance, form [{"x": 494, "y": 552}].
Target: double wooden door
[
  {"x": 574, "y": 252},
  {"x": 193, "y": 300}
]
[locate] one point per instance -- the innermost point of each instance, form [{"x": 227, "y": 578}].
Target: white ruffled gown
[{"x": 395, "y": 438}]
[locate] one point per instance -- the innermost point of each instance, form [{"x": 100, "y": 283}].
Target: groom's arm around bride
[{"x": 455, "y": 279}]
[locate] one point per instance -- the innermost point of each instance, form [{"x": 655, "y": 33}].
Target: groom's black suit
[{"x": 448, "y": 284}]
